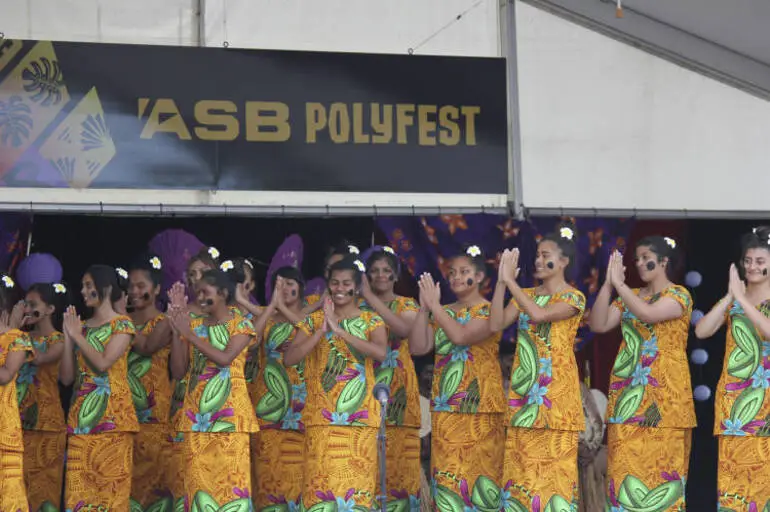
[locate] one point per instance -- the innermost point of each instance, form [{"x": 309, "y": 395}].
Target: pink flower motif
[
  {"x": 241, "y": 493},
  {"x": 536, "y": 504}
]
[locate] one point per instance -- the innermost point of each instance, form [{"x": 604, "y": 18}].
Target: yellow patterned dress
[
  {"x": 468, "y": 419},
  {"x": 650, "y": 411},
  {"x": 13, "y": 493},
  {"x": 742, "y": 416},
  {"x": 546, "y": 411},
  {"x": 101, "y": 427},
  {"x": 341, "y": 418},
  {"x": 403, "y": 415},
  {"x": 153, "y": 457},
  {"x": 279, "y": 446},
  {"x": 45, "y": 430},
  {"x": 216, "y": 420}
]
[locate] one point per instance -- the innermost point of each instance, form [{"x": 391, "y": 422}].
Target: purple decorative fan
[
  {"x": 315, "y": 286},
  {"x": 289, "y": 254},
  {"x": 38, "y": 267},
  {"x": 174, "y": 247}
]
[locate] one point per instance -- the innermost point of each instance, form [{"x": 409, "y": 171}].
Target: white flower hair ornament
[
  {"x": 59, "y": 288},
  {"x": 360, "y": 265},
  {"x": 213, "y": 252},
  {"x": 473, "y": 251},
  {"x": 352, "y": 249},
  {"x": 8, "y": 282},
  {"x": 754, "y": 230},
  {"x": 388, "y": 249},
  {"x": 248, "y": 263},
  {"x": 122, "y": 272},
  {"x": 155, "y": 262},
  {"x": 227, "y": 265},
  {"x": 670, "y": 242},
  {"x": 566, "y": 233}
]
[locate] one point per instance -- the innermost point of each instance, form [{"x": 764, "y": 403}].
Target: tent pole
[
  {"x": 507, "y": 19},
  {"x": 201, "y": 5}
]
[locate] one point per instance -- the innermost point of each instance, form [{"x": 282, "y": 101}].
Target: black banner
[{"x": 88, "y": 115}]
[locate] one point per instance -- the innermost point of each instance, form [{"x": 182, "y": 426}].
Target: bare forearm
[
  {"x": 299, "y": 349},
  {"x": 600, "y": 312},
  {"x": 367, "y": 348}
]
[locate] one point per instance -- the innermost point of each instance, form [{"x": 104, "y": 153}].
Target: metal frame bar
[
  {"x": 647, "y": 214},
  {"x": 243, "y": 203},
  {"x": 665, "y": 41},
  {"x": 508, "y": 31}
]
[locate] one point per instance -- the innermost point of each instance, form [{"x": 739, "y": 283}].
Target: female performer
[
  {"x": 42, "y": 415},
  {"x": 650, "y": 412},
  {"x": 468, "y": 426},
  {"x": 335, "y": 254},
  {"x": 148, "y": 376},
  {"x": 397, "y": 371},
  {"x": 15, "y": 350},
  {"x": 102, "y": 419},
  {"x": 742, "y": 416},
  {"x": 546, "y": 410},
  {"x": 217, "y": 416},
  {"x": 279, "y": 398},
  {"x": 338, "y": 346}
]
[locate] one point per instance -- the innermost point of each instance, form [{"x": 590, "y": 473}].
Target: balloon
[
  {"x": 696, "y": 317},
  {"x": 693, "y": 279},
  {"x": 702, "y": 393},
  {"x": 38, "y": 267},
  {"x": 699, "y": 356}
]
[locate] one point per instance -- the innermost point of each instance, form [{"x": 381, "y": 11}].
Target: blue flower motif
[
  {"x": 345, "y": 506},
  {"x": 290, "y": 420},
  {"x": 505, "y": 499},
  {"x": 766, "y": 349},
  {"x": 536, "y": 394},
  {"x": 460, "y": 353},
  {"x": 144, "y": 415},
  {"x": 224, "y": 373},
  {"x": 733, "y": 428},
  {"x": 619, "y": 508},
  {"x": 82, "y": 430},
  {"x": 299, "y": 392},
  {"x": 615, "y": 420},
  {"x": 273, "y": 354},
  {"x": 627, "y": 315},
  {"x": 293, "y": 506},
  {"x": 470, "y": 508},
  {"x": 736, "y": 309},
  {"x": 361, "y": 369},
  {"x": 414, "y": 503},
  {"x": 441, "y": 404},
  {"x": 523, "y": 321},
  {"x": 546, "y": 367},
  {"x": 340, "y": 418},
  {"x": 641, "y": 375},
  {"x": 761, "y": 378},
  {"x": 201, "y": 331},
  {"x": 26, "y": 373},
  {"x": 102, "y": 386},
  {"x": 202, "y": 422},
  {"x": 391, "y": 359},
  {"x": 464, "y": 318},
  {"x": 650, "y": 347},
  {"x": 40, "y": 346}
]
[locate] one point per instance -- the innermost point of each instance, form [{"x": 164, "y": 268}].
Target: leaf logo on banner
[
  {"x": 81, "y": 146},
  {"x": 31, "y": 97}
]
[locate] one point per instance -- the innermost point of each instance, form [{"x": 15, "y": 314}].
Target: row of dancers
[{"x": 219, "y": 404}]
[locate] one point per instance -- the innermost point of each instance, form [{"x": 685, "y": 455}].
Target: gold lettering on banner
[
  {"x": 164, "y": 118},
  {"x": 267, "y": 121},
  {"x": 215, "y": 113},
  {"x": 402, "y": 123},
  {"x": 337, "y": 122}
]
